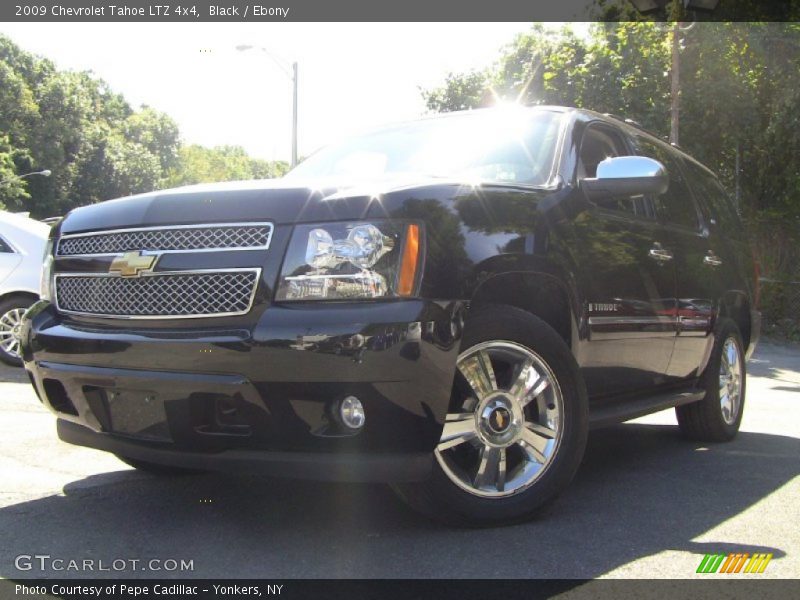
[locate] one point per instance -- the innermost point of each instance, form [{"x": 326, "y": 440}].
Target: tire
[
  {"x": 157, "y": 469},
  {"x": 714, "y": 419},
  {"x": 11, "y": 311},
  {"x": 518, "y": 478}
]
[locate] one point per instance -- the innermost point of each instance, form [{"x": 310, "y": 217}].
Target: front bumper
[
  {"x": 260, "y": 399},
  {"x": 350, "y": 467}
]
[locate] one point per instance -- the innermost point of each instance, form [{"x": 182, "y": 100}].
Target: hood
[{"x": 282, "y": 201}]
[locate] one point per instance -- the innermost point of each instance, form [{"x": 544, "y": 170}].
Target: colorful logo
[{"x": 734, "y": 563}]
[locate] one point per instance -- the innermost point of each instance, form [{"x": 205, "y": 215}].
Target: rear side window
[
  {"x": 4, "y": 247},
  {"x": 676, "y": 204},
  {"x": 601, "y": 142},
  {"x": 714, "y": 200}
]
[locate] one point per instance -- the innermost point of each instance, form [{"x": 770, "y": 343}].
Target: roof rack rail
[{"x": 633, "y": 123}]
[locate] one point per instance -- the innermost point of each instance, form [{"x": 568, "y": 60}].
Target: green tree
[
  {"x": 726, "y": 10},
  {"x": 198, "y": 164},
  {"x": 12, "y": 189},
  {"x": 95, "y": 144},
  {"x": 157, "y": 133},
  {"x": 460, "y": 92},
  {"x": 739, "y": 84}
]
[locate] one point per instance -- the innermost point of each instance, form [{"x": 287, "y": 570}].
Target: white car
[{"x": 22, "y": 242}]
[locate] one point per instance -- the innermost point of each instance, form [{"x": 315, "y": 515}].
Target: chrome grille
[
  {"x": 168, "y": 239},
  {"x": 158, "y": 295}
]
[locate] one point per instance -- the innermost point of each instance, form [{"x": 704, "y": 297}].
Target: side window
[
  {"x": 601, "y": 142},
  {"x": 676, "y": 203},
  {"x": 713, "y": 197},
  {"x": 4, "y": 247}
]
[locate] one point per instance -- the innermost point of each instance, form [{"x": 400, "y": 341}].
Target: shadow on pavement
[
  {"x": 787, "y": 388},
  {"x": 641, "y": 490},
  {"x": 774, "y": 359}
]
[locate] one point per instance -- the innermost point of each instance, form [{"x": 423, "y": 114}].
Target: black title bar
[{"x": 375, "y": 10}]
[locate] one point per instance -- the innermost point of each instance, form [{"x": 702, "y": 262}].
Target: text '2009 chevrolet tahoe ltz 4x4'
[{"x": 446, "y": 305}]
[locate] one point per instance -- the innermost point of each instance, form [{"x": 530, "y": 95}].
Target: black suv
[{"x": 447, "y": 305}]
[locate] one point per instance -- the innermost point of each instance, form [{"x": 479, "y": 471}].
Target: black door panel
[
  {"x": 697, "y": 290},
  {"x": 697, "y": 265},
  {"x": 628, "y": 302},
  {"x": 627, "y": 273}
]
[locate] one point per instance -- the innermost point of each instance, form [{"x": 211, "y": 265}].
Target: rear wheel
[
  {"x": 11, "y": 311},
  {"x": 517, "y": 427},
  {"x": 717, "y": 417}
]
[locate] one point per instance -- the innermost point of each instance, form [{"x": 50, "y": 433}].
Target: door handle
[
  {"x": 712, "y": 259},
  {"x": 659, "y": 253}
]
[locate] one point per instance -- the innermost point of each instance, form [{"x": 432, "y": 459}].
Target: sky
[{"x": 352, "y": 76}]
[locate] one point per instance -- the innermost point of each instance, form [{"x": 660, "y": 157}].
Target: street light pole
[
  {"x": 43, "y": 173},
  {"x": 294, "y": 114},
  {"x": 293, "y": 76}
]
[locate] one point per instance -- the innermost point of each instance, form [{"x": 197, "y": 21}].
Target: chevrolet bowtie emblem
[
  {"x": 499, "y": 419},
  {"x": 131, "y": 264}
]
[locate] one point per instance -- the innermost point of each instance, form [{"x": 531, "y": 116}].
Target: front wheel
[{"x": 517, "y": 427}]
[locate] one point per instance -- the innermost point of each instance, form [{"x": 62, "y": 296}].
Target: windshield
[{"x": 501, "y": 145}]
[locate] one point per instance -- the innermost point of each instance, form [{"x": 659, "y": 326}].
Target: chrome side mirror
[{"x": 627, "y": 176}]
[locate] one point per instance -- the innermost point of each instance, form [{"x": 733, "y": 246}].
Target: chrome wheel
[
  {"x": 10, "y": 331},
  {"x": 716, "y": 418},
  {"x": 730, "y": 381},
  {"x": 509, "y": 426}
]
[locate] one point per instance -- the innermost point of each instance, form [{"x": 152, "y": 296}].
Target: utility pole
[
  {"x": 675, "y": 84},
  {"x": 675, "y": 11},
  {"x": 736, "y": 177}
]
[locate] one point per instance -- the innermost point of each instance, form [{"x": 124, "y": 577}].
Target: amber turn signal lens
[{"x": 408, "y": 266}]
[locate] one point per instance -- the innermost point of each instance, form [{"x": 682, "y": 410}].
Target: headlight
[
  {"x": 46, "y": 283},
  {"x": 345, "y": 261}
]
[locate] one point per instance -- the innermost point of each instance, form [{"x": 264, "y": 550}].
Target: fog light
[{"x": 351, "y": 412}]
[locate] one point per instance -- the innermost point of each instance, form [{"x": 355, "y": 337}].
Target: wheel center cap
[{"x": 499, "y": 419}]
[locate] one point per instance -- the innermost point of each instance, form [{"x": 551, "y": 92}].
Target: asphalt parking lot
[{"x": 645, "y": 504}]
